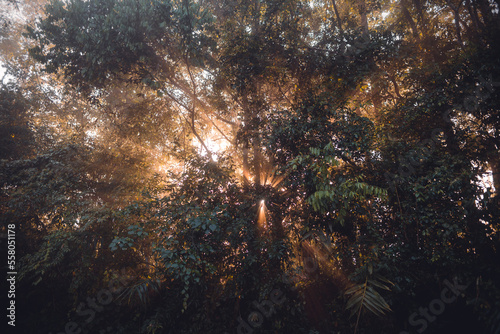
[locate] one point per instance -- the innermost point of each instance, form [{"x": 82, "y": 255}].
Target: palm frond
[
  {"x": 142, "y": 290},
  {"x": 365, "y": 297}
]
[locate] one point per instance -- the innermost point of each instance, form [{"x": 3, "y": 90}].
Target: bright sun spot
[
  {"x": 91, "y": 133},
  {"x": 215, "y": 143},
  {"x": 261, "y": 215}
]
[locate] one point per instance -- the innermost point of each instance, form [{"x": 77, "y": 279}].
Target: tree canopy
[{"x": 260, "y": 166}]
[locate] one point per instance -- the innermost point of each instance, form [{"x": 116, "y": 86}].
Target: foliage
[{"x": 266, "y": 166}]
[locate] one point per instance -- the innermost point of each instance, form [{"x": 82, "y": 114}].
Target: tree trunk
[
  {"x": 456, "y": 15},
  {"x": 337, "y": 18},
  {"x": 257, "y": 158},
  {"x": 407, "y": 15},
  {"x": 363, "y": 16},
  {"x": 495, "y": 169}
]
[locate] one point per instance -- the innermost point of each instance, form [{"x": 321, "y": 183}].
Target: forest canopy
[{"x": 251, "y": 166}]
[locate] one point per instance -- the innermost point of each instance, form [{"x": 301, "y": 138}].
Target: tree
[{"x": 355, "y": 138}]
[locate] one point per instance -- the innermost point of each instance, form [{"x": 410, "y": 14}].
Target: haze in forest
[{"x": 250, "y": 166}]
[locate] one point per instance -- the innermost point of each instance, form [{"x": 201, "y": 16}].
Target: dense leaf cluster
[{"x": 254, "y": 166}]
